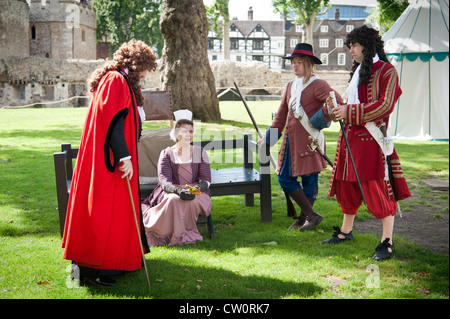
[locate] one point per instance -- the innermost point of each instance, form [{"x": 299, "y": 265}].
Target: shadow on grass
[{"x": 175, "y": 280}]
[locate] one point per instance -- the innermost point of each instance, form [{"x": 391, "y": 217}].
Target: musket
[
  {"x": 272, "y": 159},
  {"x": 291, "y": 209},
  {"x": 333, "y": 98}
]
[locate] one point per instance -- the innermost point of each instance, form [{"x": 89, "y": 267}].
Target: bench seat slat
[{"x": 234, "y": 175}]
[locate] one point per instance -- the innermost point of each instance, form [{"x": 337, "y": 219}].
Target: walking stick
[
  {"x": 272, "y": 160},
  {"x": 138, "y": 232},
  {"x": 333, "y": 97}
]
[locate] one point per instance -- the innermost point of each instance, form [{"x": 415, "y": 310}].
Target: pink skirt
[{"x": 173, "y": 221}]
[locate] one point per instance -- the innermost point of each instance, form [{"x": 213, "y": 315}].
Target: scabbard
[
  {"x": 325, "y": 157},
  {"x": 353, "y": 161}
]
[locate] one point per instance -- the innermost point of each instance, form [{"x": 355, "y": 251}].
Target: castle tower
[
  {"x": 62, "y": 29},
  {"x": 14, "y": 29}
]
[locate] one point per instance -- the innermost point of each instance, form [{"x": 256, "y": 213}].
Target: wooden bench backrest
[
  {"x": 63, "y": 175},
  {"x": 158, "y": 105},
  {"x": 249, "y": 147}
]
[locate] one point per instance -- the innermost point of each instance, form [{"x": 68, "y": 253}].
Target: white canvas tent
[{"x": 418, "y": 45}]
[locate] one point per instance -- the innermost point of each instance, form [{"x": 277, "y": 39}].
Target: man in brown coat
[{"x": 302, "y": 114}]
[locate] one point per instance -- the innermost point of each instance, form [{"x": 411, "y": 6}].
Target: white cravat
[{"x": 299, "y": 87}]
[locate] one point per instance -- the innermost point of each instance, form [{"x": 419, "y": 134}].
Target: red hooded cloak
[{"x": 100, "y": 230}]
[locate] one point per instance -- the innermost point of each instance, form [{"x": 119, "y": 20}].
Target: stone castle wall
[
  {"x": 14, "y": 25},
  {"x": 39, "y": 80},
  {"x": 25, "y": 81}
]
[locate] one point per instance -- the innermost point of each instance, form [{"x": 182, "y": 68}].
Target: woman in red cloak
[{"x": 100, "y": 230}]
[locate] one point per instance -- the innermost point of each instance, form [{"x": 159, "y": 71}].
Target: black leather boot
[
  {"x": 299, "y": 222},
  {"x": 289, "y": 206}
]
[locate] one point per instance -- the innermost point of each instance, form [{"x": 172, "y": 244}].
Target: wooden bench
[
  {"x": 63, "y": 162},
  {"x": 243, "y": 180}
]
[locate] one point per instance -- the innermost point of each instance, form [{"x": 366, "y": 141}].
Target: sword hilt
[{"x": 333, "y": 98}]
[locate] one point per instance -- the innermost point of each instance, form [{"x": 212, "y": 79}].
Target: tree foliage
[
  {"x": 386, "y": 13},
  {"x": 390, "y": 11},
  {"x": 215, "y": 12},
  {"x": 305, "y": 13},
  {"x": 219, "y": 18},
  {"x": 123, "y": 20},
  {"x": 308, "y": 9},
  {"x": 282, "y": 7}
]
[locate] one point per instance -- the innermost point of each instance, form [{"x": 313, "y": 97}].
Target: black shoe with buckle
[
  {"x": 337, "y": 240},
  {"x": 382, "y": 252}
]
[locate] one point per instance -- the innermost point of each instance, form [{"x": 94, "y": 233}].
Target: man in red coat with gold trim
[
  {"x": 372, "y": 94},
  {"x": 100, "y": 230}
]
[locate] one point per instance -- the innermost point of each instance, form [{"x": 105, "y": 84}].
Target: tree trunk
[
  {"x": 309, "y": 31},
  {"x": 185, "y": 66},
  {"x": 226, "y": 39}
]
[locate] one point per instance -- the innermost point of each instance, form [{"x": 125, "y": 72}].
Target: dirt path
[{"x": 424, "y": 225}]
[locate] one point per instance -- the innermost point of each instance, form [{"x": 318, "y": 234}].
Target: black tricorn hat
[{"x": 304, "y": 49}]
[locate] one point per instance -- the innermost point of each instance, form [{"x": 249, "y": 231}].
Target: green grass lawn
[{"x": 247, "y": 259}]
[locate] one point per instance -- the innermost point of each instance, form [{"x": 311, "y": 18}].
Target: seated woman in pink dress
[{"x": 170, "y": 213}]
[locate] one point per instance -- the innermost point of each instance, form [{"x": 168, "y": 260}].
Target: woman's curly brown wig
[
  {"x": 370, "y": 39},
  {"x": 134, "y": 55}
]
